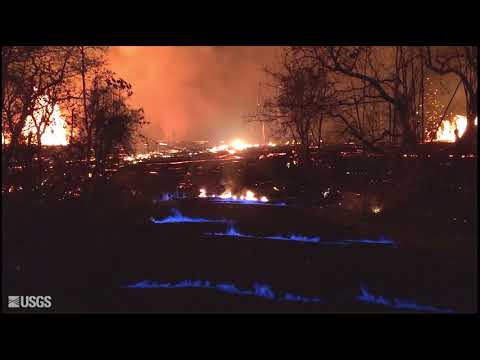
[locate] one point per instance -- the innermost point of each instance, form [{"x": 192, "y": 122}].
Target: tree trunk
[
  {"x": 408, "y": 135},
  {"x": 87, "y": 127},
  {"x": 39, "y": 162},
  {"x": 469, "y": 139}
]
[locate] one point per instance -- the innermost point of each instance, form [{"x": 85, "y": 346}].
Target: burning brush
[{"x": 247, "y": 196}]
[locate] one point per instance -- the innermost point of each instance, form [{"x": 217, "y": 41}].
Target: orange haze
[{"x": 194, "y": 92}]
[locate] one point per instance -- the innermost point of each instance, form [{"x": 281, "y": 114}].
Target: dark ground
[{"x": 83, "y": 252}]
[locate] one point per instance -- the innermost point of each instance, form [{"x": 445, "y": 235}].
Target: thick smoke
[
  {"x": 195, "y": 92},
  {"x": 205, "y": 92}
]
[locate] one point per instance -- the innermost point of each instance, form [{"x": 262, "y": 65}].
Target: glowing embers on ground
[
  {"x": 141, "y": 157},
  {"x": 232, "y": 232},
  {"x": 236, "y": 146},
  {"x": 368, "y": 297},
  {"x": 258, "y": 290},
  {"x": 446, "y": 131},
  {"x": 249, "y": 198},
  {"x": 177, "y": 217},
  {"x": 245, "y": 197},
  {"x": 233, "y": 147}
]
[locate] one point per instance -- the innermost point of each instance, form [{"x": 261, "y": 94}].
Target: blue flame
[
  {"x": 169, "y": 196},
  {"x": 396, "y": 303},
  {"x": 177, "y": 217},
  {"x": 232, "y": 289},
  {"x": 259, "y": 290},
  {"x": 299, "y": 298},
  {"x": 233, "y": 232},
  {"x": 381, "y": 240},
  {"x": 265, "y": 291},
  {"x": 295, "y": 237}
]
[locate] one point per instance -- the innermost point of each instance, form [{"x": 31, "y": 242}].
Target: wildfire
[
  {"x": 55, "y": 133},
  {"x": 446, "y": 131},
  {"x": 239, "y": 145},
  {"x": 248, "y": 195},
  {"x": 236, "y": 145},
  {"x": 376, "y": 209}
]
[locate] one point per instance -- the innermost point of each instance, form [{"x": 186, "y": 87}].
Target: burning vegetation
[
  {"x": 247, "y": 196},
  {"x": 362, "y": 164},
  {"x": 451, "y": 131},
  {"x": 48, "y": 121}
]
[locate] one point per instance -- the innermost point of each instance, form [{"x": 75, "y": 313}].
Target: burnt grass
[{"x": 84, "y": 252}]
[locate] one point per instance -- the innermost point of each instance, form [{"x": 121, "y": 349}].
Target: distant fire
[
  {"x": 235, "y": 146},
  {"x": 239, "y": 145},
  {"x": 376, "y": 209},
  {"x": 56, "y": 131},
  {"x": 248, "y": 196},
  {"x": 446, "y": 131}
]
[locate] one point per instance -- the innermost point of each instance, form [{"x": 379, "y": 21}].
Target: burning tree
[
  {"x": 56, "y": 95},
  {"x": 367, "y": 76},
  {"x": 434, "y": 110},
  {"x": 91, "y": 61},
  {"x": 301, "y": 97},
  {"x": 34, "y": 80},
  {"x": 461, "y": 61},
  {"x": 112, "y": 123}
]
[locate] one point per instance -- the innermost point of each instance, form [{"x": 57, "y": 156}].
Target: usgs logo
[{"x": 30, "y": 302}]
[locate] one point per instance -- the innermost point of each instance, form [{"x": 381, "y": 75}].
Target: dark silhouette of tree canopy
[
  {"x": 34, "y": 80},
  {"x": 461, "y": 61},
  {"x": 367, "y": 74},
  {"x": 38, "y": 79},
  {"x": 113, "y": 122},
  {"x": 301, "y": 98}
]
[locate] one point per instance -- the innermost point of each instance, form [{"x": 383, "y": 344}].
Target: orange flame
[
  {"x": 227, "y": 194},
  {"x": 236, "y": 146},
  {"x": 446, "y": 131},
  {"x": 56, "y": 131}
]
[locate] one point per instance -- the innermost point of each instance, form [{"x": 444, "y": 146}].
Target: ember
[{"x": 247, "y": 196}]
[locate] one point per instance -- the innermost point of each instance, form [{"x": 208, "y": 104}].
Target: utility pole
[
  {"x": 263, "y": 132},
  {"x": 73, "y": 125},
  {"x": 258, "y": 105},
  {"x": 85, "y": 112},
  {"x": 423, "y": 104}
]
